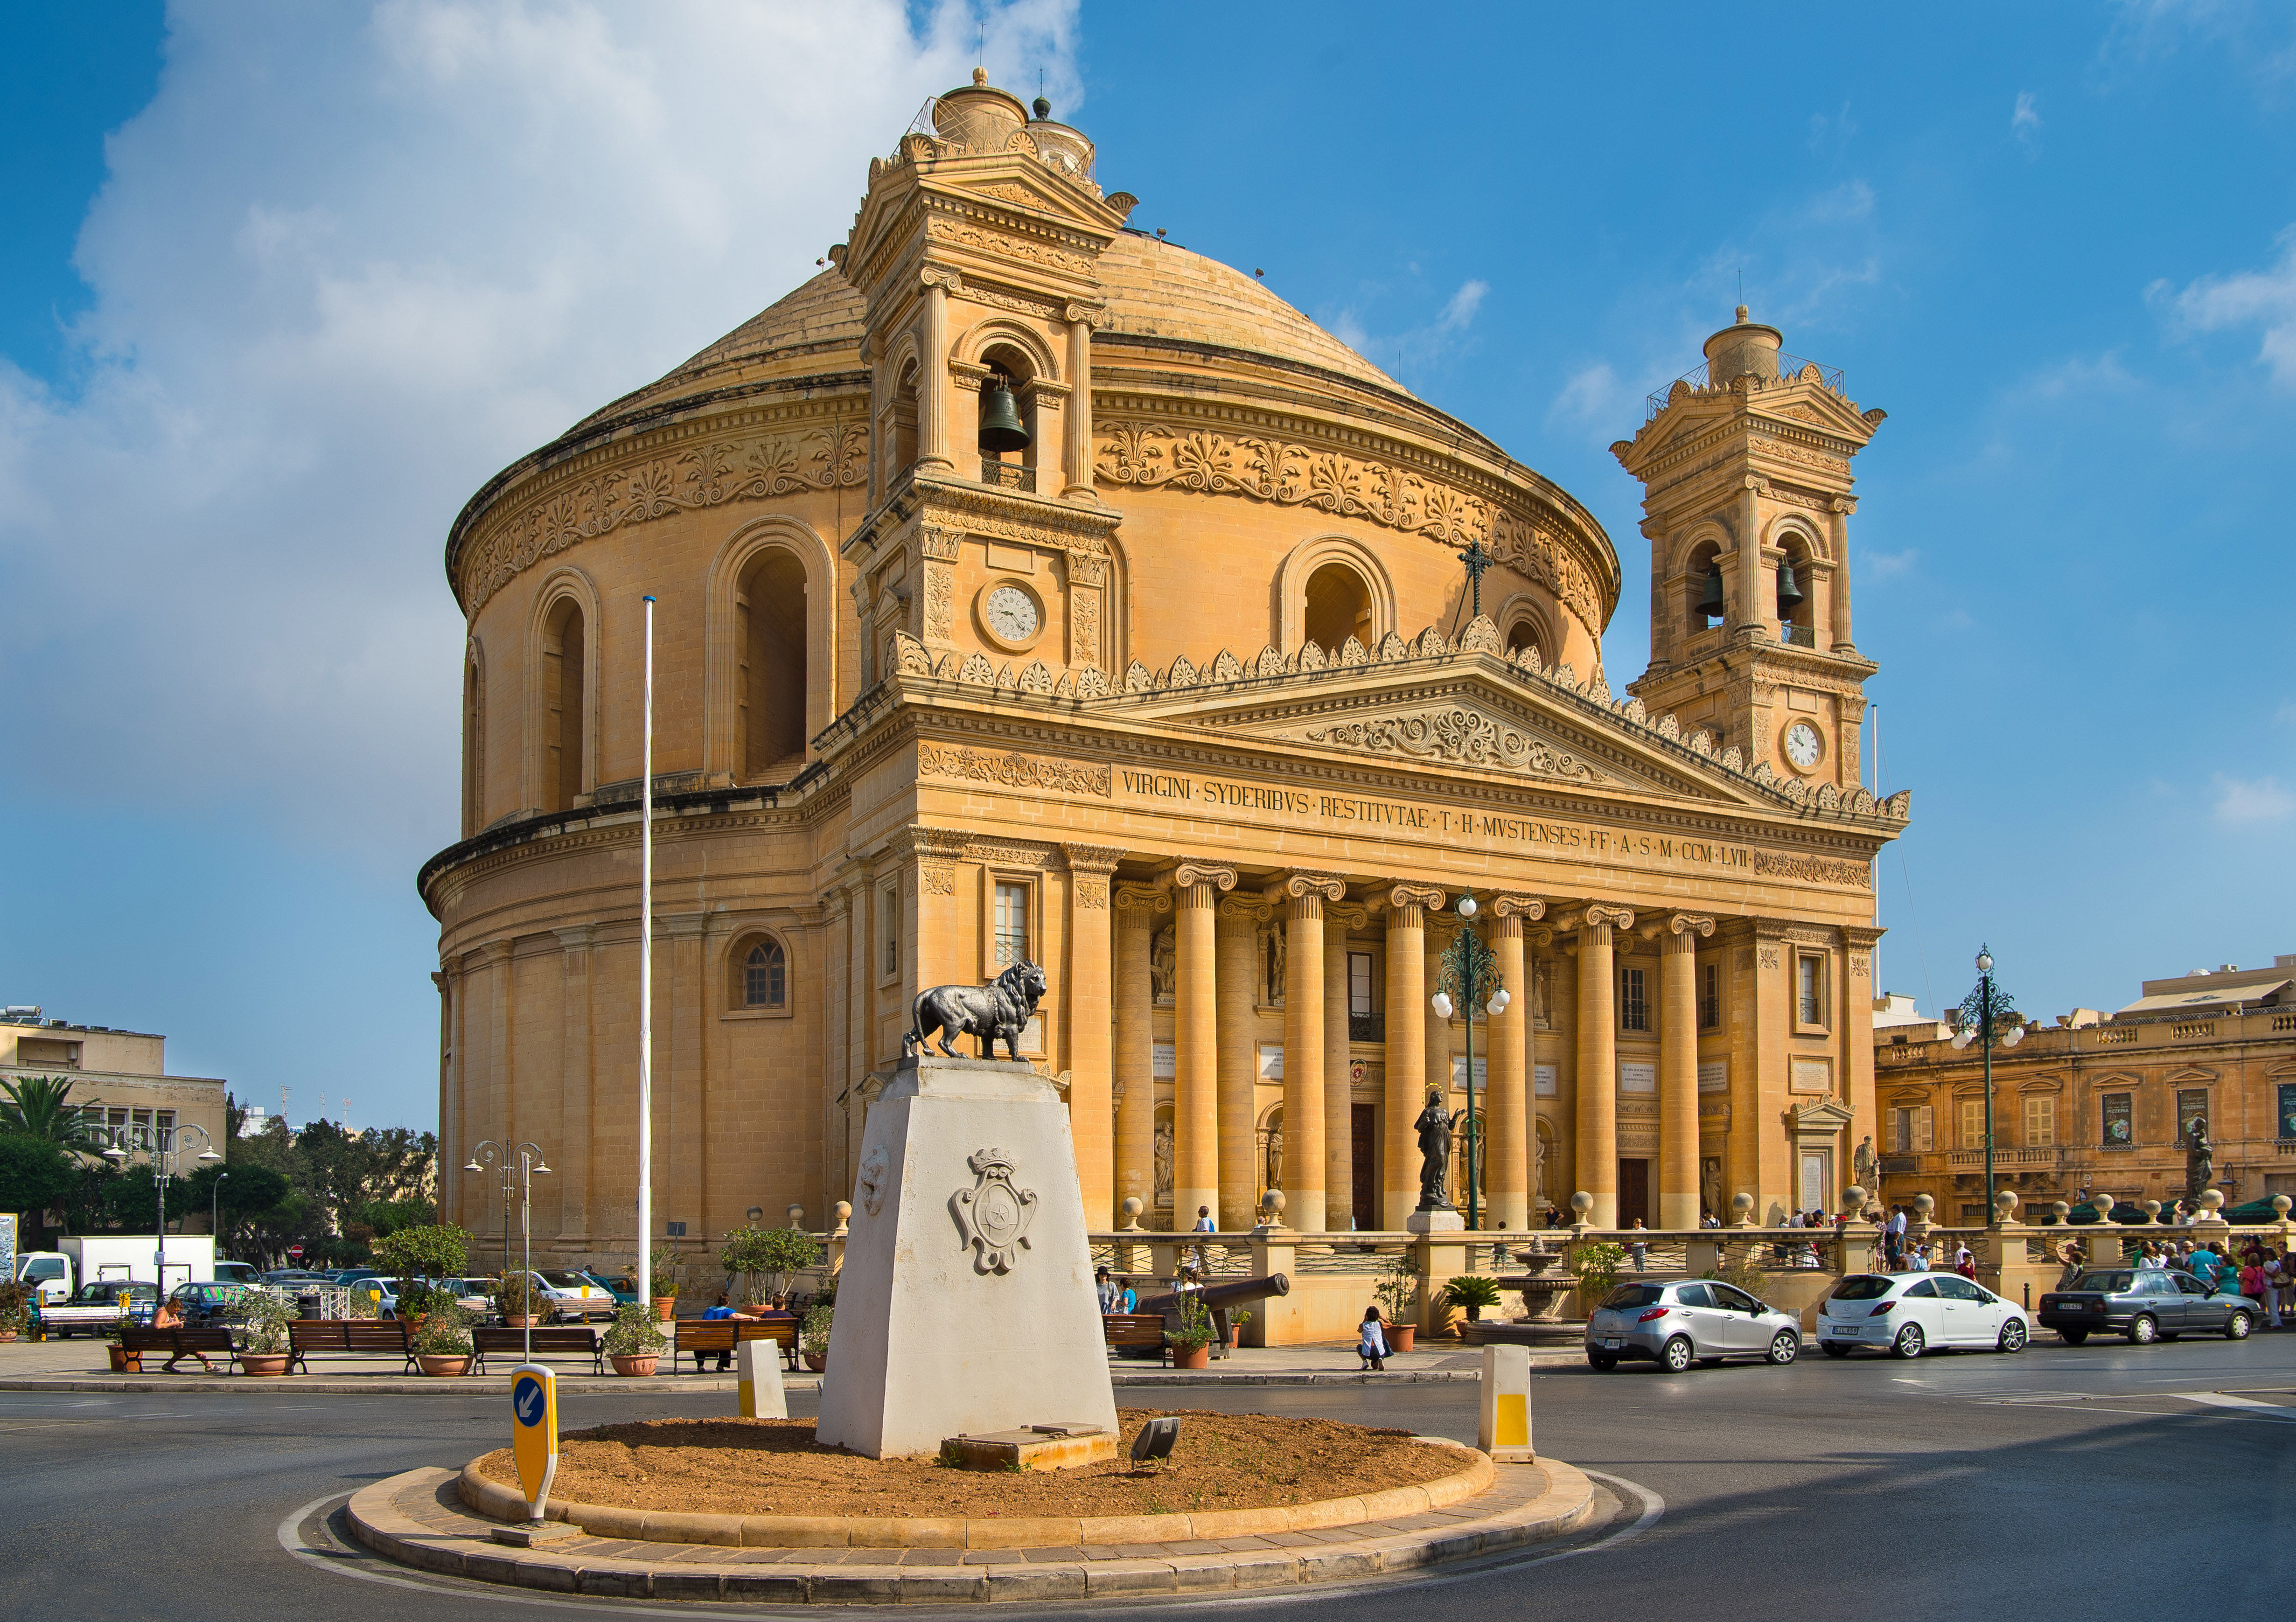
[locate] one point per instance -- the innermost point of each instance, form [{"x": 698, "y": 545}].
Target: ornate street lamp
[
  {"x": 165, "y": 1149},
  {"x": 1466, "y": 974},
  {"x": 529, "y": 1165},
  {"x": 1981, "y": 1013}
]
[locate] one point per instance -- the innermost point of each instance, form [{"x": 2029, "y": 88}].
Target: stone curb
[
  {"x": 1565, "y": 1503},
  {"x": 496, "y": 1501}
]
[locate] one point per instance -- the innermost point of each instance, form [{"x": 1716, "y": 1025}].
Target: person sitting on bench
[
  {"x": 170, "y": 1315},
  {"x": 725, "y": 1309}
]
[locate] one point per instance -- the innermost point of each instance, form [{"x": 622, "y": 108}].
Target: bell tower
[{"x": 1746, "y": 501}]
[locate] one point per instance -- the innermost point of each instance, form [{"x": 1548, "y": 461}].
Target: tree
[
  {"x": 779, "y": 1251},
  {"x": 34, "y": 1175},
  {"x": 37, "y": 1106},
  {"x": 436, "y": 1252}
]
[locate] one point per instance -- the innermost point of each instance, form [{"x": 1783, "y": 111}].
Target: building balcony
[
  {"x": 1008, "y": 475},
  {"x": 1366, "y": 1027},
  {"x": 2004, "y": 1159},
  {"x": 1798, "y": 636}
]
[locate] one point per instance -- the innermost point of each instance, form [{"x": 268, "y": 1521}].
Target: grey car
[
  {"x": 2146, "y": 1303},
  {"x": 1672, "y": 1324}
]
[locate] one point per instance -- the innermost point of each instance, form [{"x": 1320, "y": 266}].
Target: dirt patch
[{"x": 773, "y": 1466}]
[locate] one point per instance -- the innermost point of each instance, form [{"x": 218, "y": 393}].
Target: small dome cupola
[
  {"x": 978, "y": 116},
  {"x": 1746, "y": 350}
]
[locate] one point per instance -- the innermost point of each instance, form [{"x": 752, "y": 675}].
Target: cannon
[{"x": 1217, "y": 1299}]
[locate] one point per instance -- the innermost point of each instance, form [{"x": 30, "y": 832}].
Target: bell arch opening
[
  {"x": 563, "y": 729},
  {"x": 1703, "y": 603},
  {"x": 1337, "y": 606},
  {"x": 1797, "y": 594},
  {"x": 770, "y": 657}
]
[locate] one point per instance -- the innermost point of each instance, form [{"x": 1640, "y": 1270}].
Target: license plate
[
  {"x": 1849, "y": 1328},
  {"x": 1613, "y": 1345}
]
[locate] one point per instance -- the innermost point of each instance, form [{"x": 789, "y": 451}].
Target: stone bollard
[
  {"x": 1504, "y": 1429},
  {"x": 1856, "y": 1239},
  {"x": 835, "y": 1248},
  {"x": 2101, "y": 1239},
  {"x": 759, "y": 1365}
]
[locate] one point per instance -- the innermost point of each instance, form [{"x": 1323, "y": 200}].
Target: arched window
[
  {"x": 1524, "y": 634},
  {"x": 905, "y": 419},
  {"x": 1703, "y": 603},
  {"x": 769, "y": 656},
  {"x": 1338, "y": 606},
  {"x": 1797, "y": 593},
  {"x": 1012, "y": 370},
  {"x": 562, "y": 729},
  {"x": 764, "y": 977},
  {"x": 474, "y": 745}
]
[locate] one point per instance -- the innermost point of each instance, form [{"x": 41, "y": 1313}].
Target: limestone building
[
  {"x": 119, "y": 1079},
  {"x": 2096, "y": 1105},
  {"x": 1032, "y": 588}
]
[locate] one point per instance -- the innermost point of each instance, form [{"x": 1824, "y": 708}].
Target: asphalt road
[{"x": 2060, "y": 1483}]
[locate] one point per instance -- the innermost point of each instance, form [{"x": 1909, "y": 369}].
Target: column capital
[
  {"x": 1507, "y": 904},
  {"x": 1595, "y": 914},
  {"x": 490, "y": 953},
  {"x": 1245, "y": 908},
  {"x": 1196, "y": 875},
  {"x": 1090, "y": 315},
  {"x": 1146, "y": 899},
  {"x": 1685, "y": 930},
  {"x": 1348, "y": 915},
  {"x": 1407, "y": 905},
  {"x": 1863, "y": 937},
  {"x": 1091, "y": 858},
  {"x": 941, "y": 276},
  {"x": 1312, "y": 887},
  {"x": 579, "y": 938}
]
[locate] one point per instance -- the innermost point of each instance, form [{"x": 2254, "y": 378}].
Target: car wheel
[
  {"x": 1603, "y": 1363},
  {"x": 2142, "y": 1331},
  {"x": 1910, "y": 1343},
  {"x": 1834, "y": 1348},
  {"x": 2237, "y": 1326},
  {"x": 1784, "y": 1347},
  {"x": 2012, "y": 1336},
  {"x": 2073, "y": 1337},
  {"x": 1677, "y": 1354}
]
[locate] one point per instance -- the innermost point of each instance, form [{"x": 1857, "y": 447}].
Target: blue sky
[{"x": 282, "y": 284}]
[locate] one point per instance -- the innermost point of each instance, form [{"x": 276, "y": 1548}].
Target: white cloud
[
  {"x": 2025, "y": 120},
  {"x": 2251, "y": 800},
  {"x": 349, "y": 263},
  {"x": 1461, "y": 310},
  {"x": 1411, "y": 351},
  {"x": 1594, "y": 395},
  {"x": 1886, "y": 565},
  {"x": 2078, "y": 375},
  {"x": 2264, "y": 299}
]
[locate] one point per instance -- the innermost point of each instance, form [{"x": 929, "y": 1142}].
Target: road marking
[{"x": 2245, "y": 1406}]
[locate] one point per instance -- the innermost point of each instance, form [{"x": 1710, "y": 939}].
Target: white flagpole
[{"x": 645, "y": 982}]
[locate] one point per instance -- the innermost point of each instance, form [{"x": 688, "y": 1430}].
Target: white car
[
  {"x": 1906, "y": 1313},
  {"x": 569, "y": 1297}
]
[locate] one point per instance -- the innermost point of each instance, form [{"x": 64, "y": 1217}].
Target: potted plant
[
  {"x": 15, "y": 1308},
  {"x": 663, "y": 1284},
  {"x": 514, "y": 1300},
  {"x": 1470, "y": 1292},
  {"x": 123, "y": 1361},
  {"x": 1236, "y": 1319},
  {"x": 442, "y": 1345},
  {"x": 634, "y": 1340},
  {"x": 1397, "y": 1295},
  {"x": 1191, "y": 1342},
  {"x": 813, "y": 1338},
  {"x": 1597, "y": 1267},
  {"x": 264, "y": 1315},
  {"x": 415, "y": 1255}
]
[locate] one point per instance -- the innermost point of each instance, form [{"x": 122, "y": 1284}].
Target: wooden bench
[
  {"x": 1135, "y": 1331},
  {"x": 549, "y": 1341},
  {"x": 388, "y": 1336},
  {"x": 136, "y": 1339},
  {"x": 702, "y": 1336}
]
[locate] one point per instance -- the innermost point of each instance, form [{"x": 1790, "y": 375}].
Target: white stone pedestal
[
  {"x": 1435, "y": 1222},
  {"x": 966, "y": 1301}
]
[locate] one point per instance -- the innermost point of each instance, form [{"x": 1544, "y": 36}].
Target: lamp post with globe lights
[
  {"x": 1467, "y": 974},
  {"x": 1980, "y": 1018},
  {"x": 528, "y": 1166},
  {"x": 164, "y": 1145}
]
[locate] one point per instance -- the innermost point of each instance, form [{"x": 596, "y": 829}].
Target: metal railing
[
  {"x": 1366, "y": 1027},
  {"x": 1008, "y": 475},
  {"x": 1798, "y": 636},
  {"x": 1790, "y": 367}
]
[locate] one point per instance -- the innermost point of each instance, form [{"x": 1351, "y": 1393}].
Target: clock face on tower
[
  {"x": 1011, "y": 614},
  {"x": 1803, "y": 746}
]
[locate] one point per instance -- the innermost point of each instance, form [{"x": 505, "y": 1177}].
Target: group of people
[
  {"x": 2261, "y": 1273},
  {"x": 776, "y": 1310}
]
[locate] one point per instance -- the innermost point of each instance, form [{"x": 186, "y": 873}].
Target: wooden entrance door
[
  {"x": 1634, "y": 1192},
  {"x": 1363, "y": 1138}
]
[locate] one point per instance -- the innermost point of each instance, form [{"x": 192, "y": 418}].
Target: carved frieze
[
  {"x": 1460, "y": 735},
  {"x": 1813, "y": 869},
  {"x": 1012, "y": 770}
]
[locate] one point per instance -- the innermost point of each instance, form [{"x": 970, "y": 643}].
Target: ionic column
[
  {"x": 1091, "y": 1120},
  {"x": 932, "y": 372},
  {"x": 1838, "y": 531},
  {"x": 1598, "y": 1061},
  {"x": 1134, "y": 1055},
  {"x": 1506, "y": 1100},
  {"x": 1077, "y": 424},
  {"x": 1305, "y": 1162},
  {"x": 1238, "y": 934},
  {"x": 1677, "y": 1068},
  {"x": 1196, "y": 1083},
  {"x": 1407, "y": 1048},
  {"x": 1753, "y": 609},
  {"x": 1339, "y": 1085}
]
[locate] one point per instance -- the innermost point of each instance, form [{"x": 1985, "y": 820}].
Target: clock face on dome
[
  {"x": 1802, "y": 745},
  {"x": 1011, "y": 614}
]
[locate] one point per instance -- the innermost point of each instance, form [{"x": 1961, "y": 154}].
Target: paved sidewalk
[{"x": 81, "y": 1365}]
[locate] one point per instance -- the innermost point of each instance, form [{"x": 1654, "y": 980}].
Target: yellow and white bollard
[
  {"x": 534, "y": 1433},
  {"x": 1506, "y": 1427},
  {"x": 760, "y": 1365}
]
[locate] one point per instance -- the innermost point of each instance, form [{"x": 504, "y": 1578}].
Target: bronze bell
[
  {"x": 1000, "y": 428},
  {"x": 1789, "y": 594},
  {"x": 1710, "y": 604}
]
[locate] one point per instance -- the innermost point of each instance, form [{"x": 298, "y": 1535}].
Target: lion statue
[{"x": 1000, "y": 1008}]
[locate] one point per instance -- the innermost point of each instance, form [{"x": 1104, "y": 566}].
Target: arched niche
[
  {"x": 744, "y": 713},
  {"x": 561, "y": 691},
  {"x": 1336, "y": 558}
]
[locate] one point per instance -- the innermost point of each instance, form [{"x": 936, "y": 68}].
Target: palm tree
[{"x": 36, "y": 1108}]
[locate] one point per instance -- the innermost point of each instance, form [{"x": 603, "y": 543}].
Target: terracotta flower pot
[
  {"x": 665, "y": 1308},
  {"x": 1197, "y": 1356},
  {"x": 7, "y": 1335},
  {"x": 523, "y": 1321},
  {"x": 444, "y": 1366},
  {"x": 815, "y": 1361},
  {"x": 637, "y": 1366},
  {"x": 1399, "y": 1336},
  {"x": 123, "y": 1361},
  {"x": 263, "y": 1364}
]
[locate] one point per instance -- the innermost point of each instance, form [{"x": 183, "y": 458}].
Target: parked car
[
  {"x": 295, "y": 1278},
  {"x": 237, "y": 1272},
  {"x": 204, "y": 1303},
  {"x": 1906, "y": 1314},
  {"x": 1692, "y": 1318},
  {"x": 94, "y": 1308},
  {"x": 2145, "y": 1304},
  {"x": 575, "y": 1296},
  {"x": 622, "y": 1298},
  {"x": 387, "y": 1292}
]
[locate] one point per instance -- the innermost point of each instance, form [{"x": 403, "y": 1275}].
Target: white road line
[{"x": 2245, "y": 1406}]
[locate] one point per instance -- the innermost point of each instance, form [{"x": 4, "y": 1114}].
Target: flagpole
[{"x": 645, "y": 982}]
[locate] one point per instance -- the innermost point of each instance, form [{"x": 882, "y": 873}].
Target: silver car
[{"x": 1702, "y": 1319}]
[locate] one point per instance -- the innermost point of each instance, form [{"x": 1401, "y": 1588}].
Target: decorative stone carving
[
  {"x": 1311, "y": 657},
  {"x": 977, "y": 669},
  {"x": 1182, "y": 674},
  {"x": 1139, "y": 678},
  {"x": 1459, "y": 735},
  {"x": 1670, "y": 728},
  {"x": 871, "y": 1179},
  {"x": 1352, "y": 653},
  {"x": 1012, "y": 770},
  {"x": 1226, "y": 668},
  {"x": 1035, "y": 678},
  {"x": 992, "y": 1216},
  {"x": 1392, "y": 649},
  {"x": 1813, "y": 869},
  {"x": 1482, "y": 637},
  {"x": 1270, "y": 663},
  {"x": 1092, "y": 682}
]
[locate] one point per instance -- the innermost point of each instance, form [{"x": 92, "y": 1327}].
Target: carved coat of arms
[{"x": 992, "y": 1216}]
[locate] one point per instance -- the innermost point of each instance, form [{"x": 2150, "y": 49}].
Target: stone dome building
[{"x": 1032, "y": 588}]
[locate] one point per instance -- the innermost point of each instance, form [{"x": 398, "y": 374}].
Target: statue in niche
[
  {"x": 1710, "y": 1183},
  {"x": 1164, "y": 964},
  {"x": 1868, "y": 1166},
  {"x": 1540, "y": 987},
  {"x": 1275, "y": 1153},
  {"x": 1274, "y": 958},
  {"x": 1164, "y": 1162},
  {"x": 2200, "y": 1161},
  {"x": 1538, "y": 1171},
  {"x": 1437, "y": 1127}
]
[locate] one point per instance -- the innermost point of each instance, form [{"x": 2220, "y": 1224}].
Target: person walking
[
  {"x": 1964, "y": 1262},
  {"x": 1640, "y": 1247},
  {"x": 1204, "y": 1225},
  {"x": 1371, "y": 1344},
  {"x": 1106, "y": 1289}
]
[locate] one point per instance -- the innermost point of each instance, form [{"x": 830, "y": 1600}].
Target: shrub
[
  {"x": 1597, "y": 1267},
  {"x": 1397, "y": 1289},
  {"x": 777, "y": 1251},
  {"x": 1195, "y": 1321},
  {"x": 514, "y": 1296},
  {"x": 633, "y": 1333},
  {"x": 262, "y": 1314},
  {"x": 1740, "y": 1272},
  {"x": 813, "y": 1336},
  {"x": 436, "y": 1252},
  {"x": 1471, "y": 1289},
  {"x": 663, "y": 1272},
  {"x": 445, "y": 1330},
  {"x": 15, "y": 1300}
]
